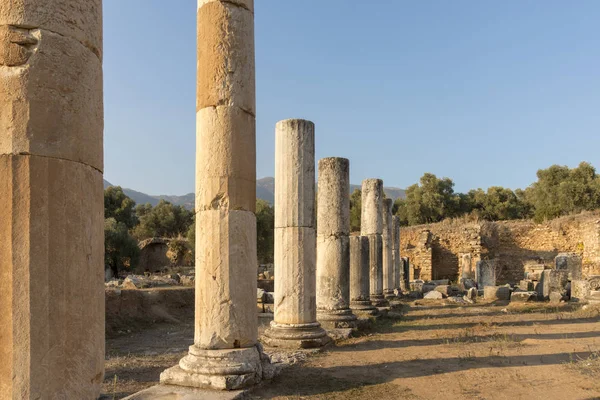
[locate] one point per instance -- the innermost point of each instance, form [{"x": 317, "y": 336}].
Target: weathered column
[
  {"x": 51, "y": 197},
  {"x": 295, "y": 322},
  {"x": 360, "y": 301},
  {"x": 388, "y": 254},
  {"x": 225, "y": 353},
  {"x": 372, "y": 227},
  {"x": 396, "y": 251},
  {"x": 333, "y": 245}
]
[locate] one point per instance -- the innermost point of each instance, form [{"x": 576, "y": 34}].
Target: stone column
[
  {"x": 333, "y": 245},
  {"x": 51, "y": 197},
  {"x": 396, "y": 251},
  {"x": 372, "y": 227},
  {"x": 360, "y": 301},
  {"x": 225, "y": 353},
  {"x": 388, "y": 254},
  {"x": 295, "y": 322}
]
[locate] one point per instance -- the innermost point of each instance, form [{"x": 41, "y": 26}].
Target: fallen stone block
[
  {"x": 526, "y": 285},
  {"x": 555, "y": 297},
  {"x": 494, "y": 293},
  {"x": 428, "y": 287},
  {"x": 433, "y": 295},
  {"x": 523, "y": 296},
  {"x": 570, "y": 262},
  {"x": 580, "y": 289}
]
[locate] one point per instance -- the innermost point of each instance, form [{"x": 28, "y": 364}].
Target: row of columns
[{"x": 324, "y": 280}]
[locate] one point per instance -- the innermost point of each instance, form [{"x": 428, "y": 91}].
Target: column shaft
[
  {"x": 360, "y": 301},
  {"x": 372, "y": 227},
  {"x": 388, "y": 262},
  {"x": 396, "y": 251},
  {"x": 333, "y": 246},
  {"x": 51, "y": 218},
  {"x": 295, "y": 321}
]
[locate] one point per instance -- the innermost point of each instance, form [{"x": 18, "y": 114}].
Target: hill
[{"x": 265, "y": 190}]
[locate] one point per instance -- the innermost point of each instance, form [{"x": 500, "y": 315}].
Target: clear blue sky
[{"x": 483, "y": 92}]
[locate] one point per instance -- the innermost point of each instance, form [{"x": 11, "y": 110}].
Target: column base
[
  {"x": 336, "y": 319},
  {"x": 378, "y": 300},
  {"x": 225, "y": 369},
  {"x": 363, "y": 307},
  {"x": 296, "y": 336},
  {"x": 389, "y": 294}
]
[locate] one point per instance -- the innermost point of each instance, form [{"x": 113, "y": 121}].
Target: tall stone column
[
  {"x": 333, "y": 245},
  {"x": 225, "y": 353},
  {"x": 295, "y": 322},
  {"x": 51, "y": 197},
  {"x": 396, "y": 252},
  {"x": 388, "y": 261},
  {"x": 360, "y": 301},
  {"x": 372, "y": 227}
]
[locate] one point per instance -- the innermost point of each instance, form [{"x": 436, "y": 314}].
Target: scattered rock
[
  {"x": 523, "y": 296},
  {"x": 433, "y": 295},
  {"x": 496, "y": 293}
]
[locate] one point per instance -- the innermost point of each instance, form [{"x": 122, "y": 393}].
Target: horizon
[{"x": 484, "y": 94}]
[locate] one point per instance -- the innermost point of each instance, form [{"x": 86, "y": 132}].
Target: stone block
[
  {"x": 42, "y": 112},
  {"x": 552, "y": 280},
  {"x": 295, "y": 173},
  {"x": 51, "y": 278},
  {"x": 433, "y": 295},
  {"x": 295, "y": 252},
  {"x": 526, "y": 285},
  {"x": 467, "y": 283},
  {"x": 486, "y": 273},
  {"x": 555, "y": 297},
  {"x": 580, "y": 289},
  {"x": 494, "y": 293},
  {"x": 523, "y": 296},
  {"x": 226, "y": 72},
  {"x": 333, "y": 259},
  {"x": 225, "y": 257},
  {"x": 428, "y": 287},
  {"x": 570, "y": 262},
  {"x": 225, "y": 159}
]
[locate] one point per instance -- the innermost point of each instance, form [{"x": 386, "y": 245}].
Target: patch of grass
[{"x": 587, "y": 366}]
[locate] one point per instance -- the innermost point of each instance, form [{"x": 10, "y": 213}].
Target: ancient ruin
[
  {"x": 396, "y": 260},
  {"x": 360, "y": 289},
  {"x": 226, "y": 353},
  {"x": 295, "y": 320},
  {"x": 372, "y": 228},
  {"x": 333, "y": 246},
  {"x": 51, "y": 229}
]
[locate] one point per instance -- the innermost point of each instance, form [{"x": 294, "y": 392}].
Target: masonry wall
[{"x": 458, "y": 243}]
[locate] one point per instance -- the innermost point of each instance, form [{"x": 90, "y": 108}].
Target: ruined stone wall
[
  {"x": 447, "y": 246},
  {"x": 458, "y": 244}
]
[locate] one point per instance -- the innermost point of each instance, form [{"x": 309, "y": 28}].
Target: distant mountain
[{"x": 265, "y": 190}]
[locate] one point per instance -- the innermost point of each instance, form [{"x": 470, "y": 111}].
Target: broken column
[
  {"x": 360, "y": 301},
  {"x": 225, "y": 353},
  {"x": 295, "y": 319},
  {"x": 52, "y": 216},
  {"x": 333, "y": 245},
  {"x": 388, "y": 251},
  {"x": 372, "y": 228},
  {"x": 396, "y": 252}
]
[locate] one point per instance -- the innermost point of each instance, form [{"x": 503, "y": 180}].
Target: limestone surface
[
  {"x": 360, "y": 301},
  {"x": 372, "y": 205},
  {"x": 570, "y": 262},
  {"x": 496, "y": 293},
  {"x": 396, "y": 261},
  {"x": 486, "y": 273},
  {"x": 580, "y": 289},
  {"x": 295, "y": 173},
  {"x": 333, "y": 208},
  {"x": 376, "y": 269}
]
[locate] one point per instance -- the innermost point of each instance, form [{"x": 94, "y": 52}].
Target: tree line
[{"x": 558, "y": 191}]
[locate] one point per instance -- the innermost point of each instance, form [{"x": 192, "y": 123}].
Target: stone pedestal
[
  {"x": 570, "y": 262},
  {"x": 388, "y": 253},
  {"x": 360, "y": 301},
  {"x": 372, "y": 228},
  {"x": 295, "y": 319},
  {"x": 397, "y": 262},
  {"x": 333, "y": 245},
  {"x": 226, "y": 353},
  {"x": 51, "y": 197}
]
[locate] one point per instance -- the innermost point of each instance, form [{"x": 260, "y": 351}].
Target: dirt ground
[{"x": 480, "y": 351}]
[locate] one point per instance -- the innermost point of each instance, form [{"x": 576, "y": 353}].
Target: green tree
[
  {"x": 431, "y": 201},
  {"x": 163, "y": 220},
  {"x": 400, "y": 209},
  {"x": 265, "y": 231},
  {"x": 355, "y": 210},
  {"x": 121, "y": 249},
  {"x": 497, "y": 204},
  {"x": 119, "y": 206}
]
